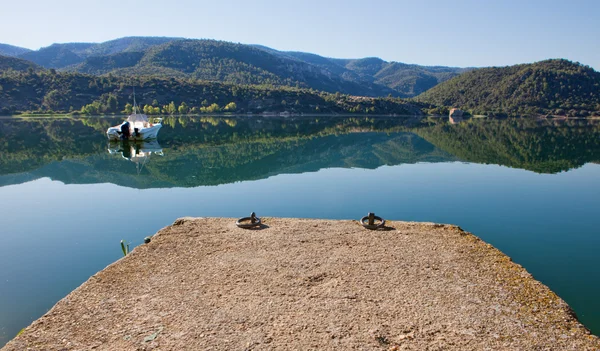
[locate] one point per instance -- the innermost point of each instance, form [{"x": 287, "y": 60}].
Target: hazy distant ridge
[
  {"x": 555, "y": 87},
  {"x": 239, "y": 64},
  {"x": 11, "y": 50}
]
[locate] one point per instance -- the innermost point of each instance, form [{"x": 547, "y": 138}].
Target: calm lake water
[{"x": 67, "y": 196}]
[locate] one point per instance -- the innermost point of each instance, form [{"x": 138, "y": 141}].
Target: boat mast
[{"x": 134, "y": 104}]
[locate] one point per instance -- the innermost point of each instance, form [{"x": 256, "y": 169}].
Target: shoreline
[{"x": 302, "y": 115}]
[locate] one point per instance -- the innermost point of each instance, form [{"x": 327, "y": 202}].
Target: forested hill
[
  {"x": 16, "y": 64},
  {"x": 225, "y": 62},
  {"x": 240, "y": 64},
  {"x": 55, "y": 92},
  {"x": 558, "y": 87}
]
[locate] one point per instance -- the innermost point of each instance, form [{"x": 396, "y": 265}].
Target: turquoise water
[{"x": 530, "y": 188}]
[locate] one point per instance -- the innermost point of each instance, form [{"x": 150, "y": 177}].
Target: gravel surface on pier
[{"x": 204, "y": 284}]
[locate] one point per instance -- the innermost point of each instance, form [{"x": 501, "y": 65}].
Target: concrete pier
[{"x": 309, "y": 284}]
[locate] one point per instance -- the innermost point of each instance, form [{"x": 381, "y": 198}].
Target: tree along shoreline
[
  {"x": 283, "y": 114},
  {"x": 217, "y": 114}
]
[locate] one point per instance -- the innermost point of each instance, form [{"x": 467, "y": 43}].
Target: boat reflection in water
[{"x": 138, "y": 152}]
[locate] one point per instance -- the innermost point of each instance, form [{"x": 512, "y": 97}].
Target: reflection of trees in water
[
  {"x": 543, "y": 146},
  {"x": 34, "y": 141},
  {"x": 225, "y": 163},
  {"x": 212, "y": 150}
]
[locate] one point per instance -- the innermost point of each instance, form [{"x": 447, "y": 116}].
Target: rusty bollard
[
  {"x": 369, "y": 221},
  {"x": 249, "y": 222}
]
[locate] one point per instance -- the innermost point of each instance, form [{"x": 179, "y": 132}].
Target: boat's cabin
[{"x": 139, "y": 121}]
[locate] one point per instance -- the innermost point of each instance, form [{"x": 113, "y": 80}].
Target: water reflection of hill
[
  {"x": 196, "y": 165},
  {"x": 27, "y": 144},
  {"x": 208, "y": 151},
  {"x": 543, "y": 146}
]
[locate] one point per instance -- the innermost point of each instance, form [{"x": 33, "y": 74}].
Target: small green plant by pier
[{"x": 124, "y": 247}]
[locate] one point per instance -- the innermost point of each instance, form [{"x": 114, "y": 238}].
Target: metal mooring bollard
[
  {"x": 254, "y": 221},
  {"x": 368, "y": 221}
]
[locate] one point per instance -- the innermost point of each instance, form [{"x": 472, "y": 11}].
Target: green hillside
[
  {"x": 108, "y": 63},
  {"x": 226, "y": 62},
  {"x": 52, "y": 92},
  {"x": 16, "y": 64},
  {"x": 557, "y": 87},
  {"x": 240, "y": 64}
]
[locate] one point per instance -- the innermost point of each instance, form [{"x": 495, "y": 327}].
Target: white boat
[{"x": 136, "y": 127}]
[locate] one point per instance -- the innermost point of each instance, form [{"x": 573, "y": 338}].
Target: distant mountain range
[
  {"x": 11, "y": 50},
  {"x": 237, "y": 63},
  {"x": 550, "y": 87}
]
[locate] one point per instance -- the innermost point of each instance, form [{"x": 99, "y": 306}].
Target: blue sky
[{"x": 429, "y": 32}]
